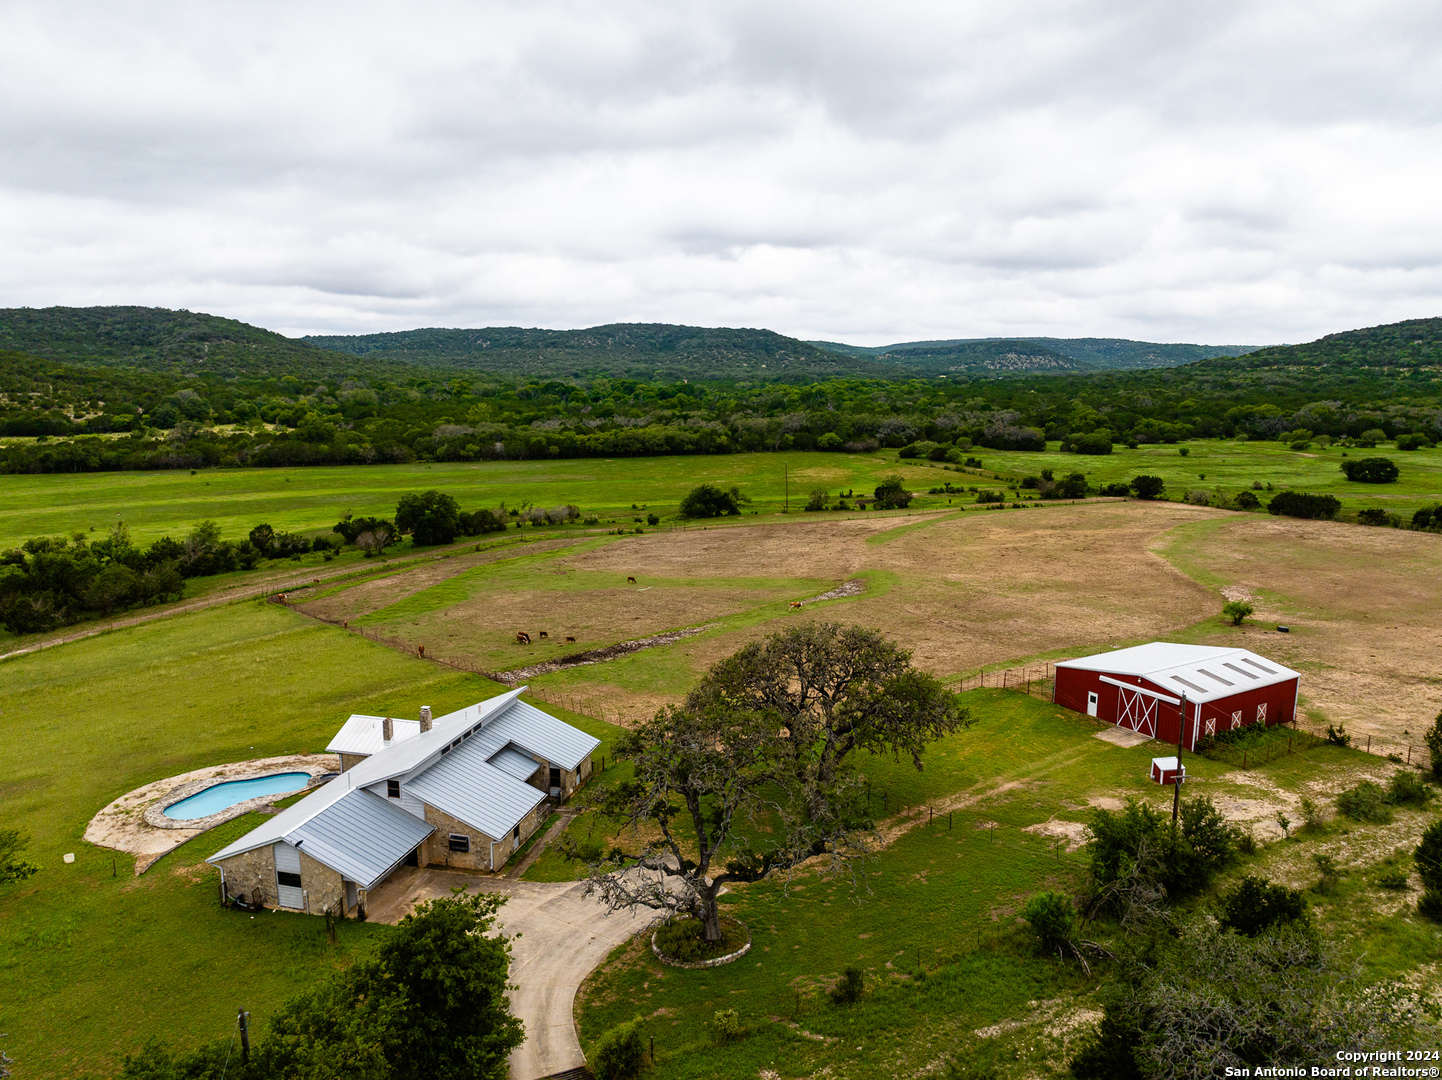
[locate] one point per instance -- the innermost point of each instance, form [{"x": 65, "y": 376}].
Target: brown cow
[
  {"x": 630, "y": 581},
  {"x": 796, "y": 603},
  {"x": 570, "y": 639},
  {"x": 522, "y": 638},
  {"x": 421, "y": 649},
  {"x": 544, "y": 635}
]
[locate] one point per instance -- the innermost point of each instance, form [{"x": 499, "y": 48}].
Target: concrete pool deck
[{"x": 135, "y": 822}]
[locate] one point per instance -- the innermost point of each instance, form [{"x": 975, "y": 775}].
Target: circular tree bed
[{"x": 679, "y": 943}]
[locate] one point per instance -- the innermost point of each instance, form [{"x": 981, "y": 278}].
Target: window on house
[
  {"x": 393, "y": 789},
  {"x": 516, "y": 835},
  {"x": 460, "y": 842},
  {"x": 1261, "y": 712},
  {"x": 285, "y": 877}
]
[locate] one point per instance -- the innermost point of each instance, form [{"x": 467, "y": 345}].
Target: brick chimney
[
  {"x": 388, "y": 729},
  {"x": 425, "y": 718}
]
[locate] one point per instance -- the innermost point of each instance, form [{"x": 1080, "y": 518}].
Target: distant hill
[
  {"x": 636, "y": 350},
  {"x": 1416, "y": 343},
  {"x": 158, "y": 339},
  {"x": 1033, "y": 354}
]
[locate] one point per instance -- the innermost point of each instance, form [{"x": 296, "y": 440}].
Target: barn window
[
  {"x": 1211, "y": 725},
  {"x": 393, "y": 789},
  {"x": 285, "y": 877},
  {"x": 1237, "y": 719},
  {"x": 1262, "y": 713},
  {"x": 516, "y": 835},
  {"x": 460, "y": 842}
]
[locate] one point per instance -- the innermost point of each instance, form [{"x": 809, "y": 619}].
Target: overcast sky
[{"x": 1220, "y": 172}]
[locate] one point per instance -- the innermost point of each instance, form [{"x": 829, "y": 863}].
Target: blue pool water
[{"x": 215, "y": 799}]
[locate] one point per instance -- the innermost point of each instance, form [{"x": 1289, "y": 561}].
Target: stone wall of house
[
  {"x": 249, "y": 872},
  {"x": 349, "y": 761},
  {"x": 323, "y": 886},
  {"x": 436, "y": 851}
]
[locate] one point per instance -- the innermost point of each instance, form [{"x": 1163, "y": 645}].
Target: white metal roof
[
  {"x": 1201, "y": 672},
  {"x": 365, "y": 734},
  {"x": 481, "y": 793},
  {"x": 360, "y": 835},
  {"x": 514, "y": 763}
]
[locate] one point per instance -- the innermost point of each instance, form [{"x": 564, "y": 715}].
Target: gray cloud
[{"x": 1222, "y": 172}]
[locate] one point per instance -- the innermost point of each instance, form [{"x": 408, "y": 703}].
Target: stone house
[{"x": 466, "y": 790}]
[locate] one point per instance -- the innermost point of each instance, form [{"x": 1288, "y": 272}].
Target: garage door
[{"x": 287, "y": 876}]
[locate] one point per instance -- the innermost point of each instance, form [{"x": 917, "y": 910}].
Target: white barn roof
[
  {"x": 1202, "y": 672},
  {"x": 454, "y": 767}
]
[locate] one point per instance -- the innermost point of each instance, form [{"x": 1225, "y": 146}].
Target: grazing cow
[
  {"x": 570, "y": 639},
  {"x": 544, "y": 634},
  {"x": 630, "y": 581},
  {"x": 422, "y": 650},
  {"x": 522, "y": 638},
  {"x": 796, "y": 603}
]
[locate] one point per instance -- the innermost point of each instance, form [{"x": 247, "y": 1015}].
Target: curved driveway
[{"x": 559, "y": 936}]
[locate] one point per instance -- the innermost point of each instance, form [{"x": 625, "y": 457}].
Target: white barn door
[
  {"x": 287, "y": 876},
  {"x": 1138, "y": 712}
]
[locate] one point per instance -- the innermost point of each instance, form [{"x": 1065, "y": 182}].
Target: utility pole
[
  {"x": 244, "y": 1022},
  {"x": 1177, "y": 793}
]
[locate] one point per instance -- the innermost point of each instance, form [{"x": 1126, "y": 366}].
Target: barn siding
[{"x": 1073, "y": 685}]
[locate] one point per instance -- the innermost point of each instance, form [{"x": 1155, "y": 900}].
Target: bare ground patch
[{"x": 1362, "y": 604}]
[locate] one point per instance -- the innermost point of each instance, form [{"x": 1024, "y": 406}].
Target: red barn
[{"x": 1144, "y": 688}]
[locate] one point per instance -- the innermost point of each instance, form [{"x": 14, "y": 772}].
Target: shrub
[
  {"x": 1199, "y": 497},
  {"x": 1406, "y": 788},
  {"x": 1428, "y": 855},
  {"x": 1148, "y": 487},
  {"x": 477, "y": 522},
  {"x": 1312, "y": 816},
  {"x": 818, "y": 499},
  {"x": 652, "y": 519},
  {"x": 1136, "y": 845},
  {"x": 1113, "y": 490},
  {"x": 1372, "y": 470},
  {"x": 1337, "y": 735},
  {"x": 1053, "y": 920},
  {"x": 1412, "y": 442},
  {"x": 940, "y": 452},
  {"x": 1299, "y": 505},
  {"x": 1365, "y": 802},
  {"x": 1071, "y": 486},
  {"x": 432, "y": 517},
  {"x": 1372, "y": 516},
  {"x": 620, "y": 1053},
  {"x": 1371, "y": 437},
  {"x": 849, "y": 987},
  {"x": 1330, "y": 873},
  {"x": 709, "y": 501},
  {"x": 1256, "y": 904},
  {"x": 1429, "y": 905},
  {"x": 1245, "y": 500},
  {"x": 891, "y": 494},
  {"x": 1394, "y": 877},
  {"x": 985, "y": 496},
  {"x": 1429, "y": 517},
  {"x": 1237, "y": 611},
  {"x": 829, "y": 441},
  {"x": 1098, "y": 442},
  {"x": 727, "y": 1024},
  {"x": 1183, "y": 450}
]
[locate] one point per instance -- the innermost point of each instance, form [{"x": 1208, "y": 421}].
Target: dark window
[
  {"x": 460, "y": 842},
  {"x": 516, "y": 835},
  {"x": 285, "y": 877},
  {"x": 393, "y": 788},
  {"x": 555, "y": 776}
]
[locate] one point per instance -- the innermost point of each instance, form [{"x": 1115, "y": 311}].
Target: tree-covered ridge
[
  {"x": 157, "y": 339},
  {"x": 1035, "y": 354},
  {"x": 633, "y": 350},
  {"x": 1416, "y": 343}
]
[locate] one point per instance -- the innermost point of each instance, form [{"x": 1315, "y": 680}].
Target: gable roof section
[
  {"x": 1202, "y": 672},
  {"x": 466, "y": 786},
  {"x": 514, "y": 763},
  {"x": 361, "y": 836},
  {"x": 365, "y": 734}
]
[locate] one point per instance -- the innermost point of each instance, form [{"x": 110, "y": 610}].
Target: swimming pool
[{"x": 219, "y": 797}]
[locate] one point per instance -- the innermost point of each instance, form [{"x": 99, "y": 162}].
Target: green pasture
[
  {"x": 94, "y": 960},
  {"x": 309, "y": 499}
]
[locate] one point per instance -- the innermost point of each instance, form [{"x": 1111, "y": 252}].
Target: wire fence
[{"x": 1034, "y": 679}]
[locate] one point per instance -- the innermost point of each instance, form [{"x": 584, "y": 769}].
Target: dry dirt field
[
  {"x": 962, "y": 591},
  {"x": 1364, "y": 606}
]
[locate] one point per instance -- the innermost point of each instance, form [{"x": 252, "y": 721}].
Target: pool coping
[{"x": 154, "y": 814}]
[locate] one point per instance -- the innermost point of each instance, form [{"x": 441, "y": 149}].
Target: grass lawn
[
  {"x": 94, "y": 964},
  {"x": 309, "y": 499}
]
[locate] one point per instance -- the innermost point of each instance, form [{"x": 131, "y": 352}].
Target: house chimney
[
  {"x": 388, "y": 729},
  {"x": 425, "y": 718}
]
